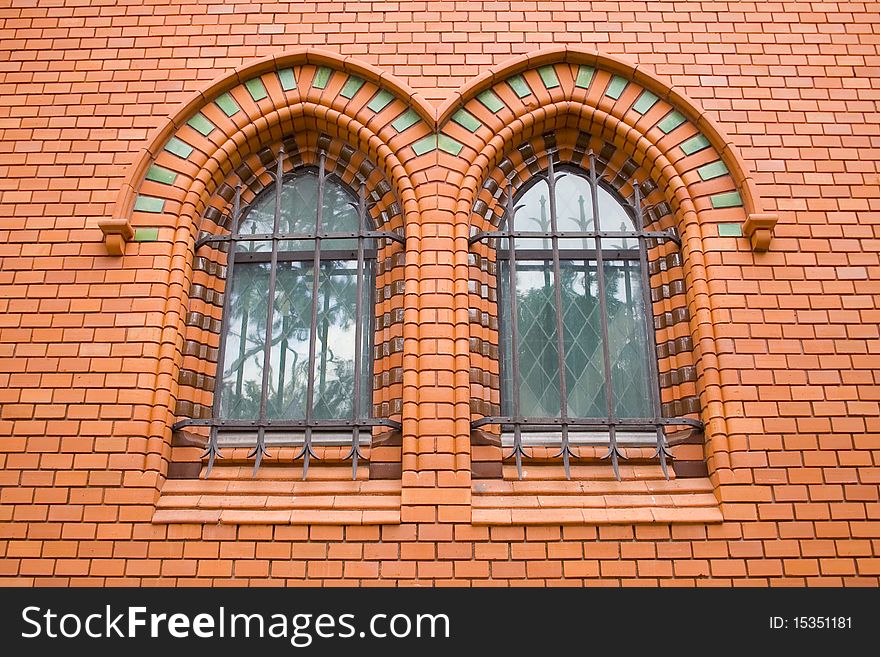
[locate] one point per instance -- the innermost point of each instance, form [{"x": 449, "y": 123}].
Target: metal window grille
[
  {"x": 301, "y": 431},
  {"x": 510, "y": 255}
]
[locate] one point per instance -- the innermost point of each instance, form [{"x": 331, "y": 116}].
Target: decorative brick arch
[
  {"x": 203, "y": 148},
  {"x": 660, "y": 124},
  {"x": 656, "y": 133},
  {"x": 195, "y": 149},
  {"x": 643, "y": 131},
  {"x": 204, "y": 317}
]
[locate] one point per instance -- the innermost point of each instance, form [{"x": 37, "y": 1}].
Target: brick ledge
[
  {"x": 278, "y": 503},
  {"x": 688, "y": 501}
]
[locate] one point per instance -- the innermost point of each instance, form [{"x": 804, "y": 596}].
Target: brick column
[{"x": 436, "y": 477}]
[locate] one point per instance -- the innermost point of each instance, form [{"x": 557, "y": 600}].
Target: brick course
[{"x": 87, "y": 351}]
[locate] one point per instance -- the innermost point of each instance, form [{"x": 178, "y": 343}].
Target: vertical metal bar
[
  {"x": 259, "y": 450},
  {"x": 650, "y": 338},
  {"x": 565, "y": 452},
  {"x": 213, "y": 450},
  {"x": 613, "y": 450},
  {"x": 355, "y": 452},
  {"x": 518, "y": 451},
  {"x": 306, "y": 452}
]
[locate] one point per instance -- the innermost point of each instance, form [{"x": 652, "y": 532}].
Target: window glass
[
  {"x": 299, "y": 207},
  {"x": 533, "y": 214},
  {"x": 627, "y": 339},
  {"x": 538, "y": 386},
  {"x": 245, "y": 324},
  {"x": 336, "y": 325},
  {"x": 574, "y": 213}
]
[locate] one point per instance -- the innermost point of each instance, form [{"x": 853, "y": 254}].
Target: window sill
[
  {"x": 198, "y": 501},
  {"x": 646, "y": 501}
]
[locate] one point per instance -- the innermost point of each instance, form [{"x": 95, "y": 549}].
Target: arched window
[
  {"x": 578, "y": 355},
  {"x": 295, "y": 349}
]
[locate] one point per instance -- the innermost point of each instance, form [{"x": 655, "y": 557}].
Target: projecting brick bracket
[
  {"x": 116, "y": 233},
  {"x": 759, "y": 229}
]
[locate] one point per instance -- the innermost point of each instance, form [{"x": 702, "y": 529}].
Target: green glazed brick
[
  {"x": 406, "y": 120},
  {"x": 149, "y": 204},
  {"x": 256, "y": 89},
  {"x": 287, "y": 79},
  {"x": 466, "y": 120},
  {"x": 491, "y": 101},
  {"x": 425, "y": 145},
  {"x": 201, "y": 123},
  {"x": 351, "y": 87},
  {"x": 670, "y": 122},
  {"x": 548, "y": 77},
  {"x": 322, "y": 77},
  {"x": 730, "y": 230},
  {"x": 694, "y": 144},
  {"x": 645, "y": 102},
  {"x": 228, "y": 104},
  {"x": 726, "y": 200},
  {"x": 146, "y": 234},
  {"x": 584, "y": 77},
  {"x": 179, "y": 148},
  {"x": 449, "y": 145},
  {"x": 161, "y": 175},
  {"x": 380, "y": 101},
  {"x": 519, "y": 85},
  {"x": 712, "y": 170},
  {"x": 616, "y": 87}
]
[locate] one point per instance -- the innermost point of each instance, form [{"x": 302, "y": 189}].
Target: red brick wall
[{"x": 794, "y": 86}]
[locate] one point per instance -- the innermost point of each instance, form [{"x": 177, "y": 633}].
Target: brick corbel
[
  {"x": 116, "y": 233},
  {"x": 759, "y": 229}
]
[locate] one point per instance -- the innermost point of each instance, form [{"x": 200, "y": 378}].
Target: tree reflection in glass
[{"x": 290, "y": 330}]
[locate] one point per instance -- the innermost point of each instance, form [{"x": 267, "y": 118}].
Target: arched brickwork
[
  {"x": 513, "y": 97},
  {"x": 376, "y": 110},
  {"x": 204, "y": 315},
  {"x": 437, "y": 164},
  {"x": 88, "y": 341},
  {"x": 640, "y": 131},
  {"x": 215, "y": 141},
  {"x": 672, "y": 331}
]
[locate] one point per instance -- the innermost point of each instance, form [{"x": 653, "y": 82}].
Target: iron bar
[
  {"x": 243, "y": 425},
  {"x": 213, "y": 450},
  {"x": 575, "y": 234},
  {"x": 355, "y": 452},
  {"x": 574, "y": 254},
  {"x": 259, "y": 450},
  {"x": 613, "y": 451},
  {"x": 302, "y": 256},
  {"x": 589, "y": 423},
  {"x": 306, "y": 452},
  {"x": 265, "y": 237},
  {"x": 518, "y": 451},
  {"x": 565, "y": 450}
]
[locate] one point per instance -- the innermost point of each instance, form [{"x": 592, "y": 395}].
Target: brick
[{"x": 90, "y": 347}]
